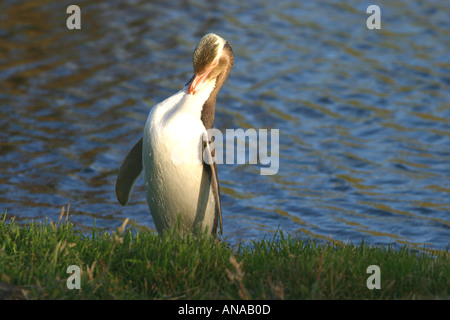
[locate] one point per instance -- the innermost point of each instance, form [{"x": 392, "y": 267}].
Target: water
[{"x": 364, "y": 115}]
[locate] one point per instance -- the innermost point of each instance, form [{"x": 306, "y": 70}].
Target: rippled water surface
[{"x": 364, "y": 115}]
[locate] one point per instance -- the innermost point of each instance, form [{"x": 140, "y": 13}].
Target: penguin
[{"x": 176, "y": 151}]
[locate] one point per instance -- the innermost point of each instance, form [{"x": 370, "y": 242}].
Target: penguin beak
[{"x": 199, "y": 78}]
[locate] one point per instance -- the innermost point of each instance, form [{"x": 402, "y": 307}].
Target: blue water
[{"x": 364, "y": 115}]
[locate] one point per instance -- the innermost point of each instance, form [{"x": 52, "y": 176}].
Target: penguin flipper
[
  {"x": 129, "y": 171},
  {"x": 211, "y": 167}
]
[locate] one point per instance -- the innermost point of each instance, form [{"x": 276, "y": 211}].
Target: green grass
[{"x": 138, "y": 264}]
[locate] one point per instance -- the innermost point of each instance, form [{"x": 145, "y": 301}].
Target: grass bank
[{"x": 136, "y": 264}]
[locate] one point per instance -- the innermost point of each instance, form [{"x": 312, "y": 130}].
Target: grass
[{"x": 138, "y": 264}]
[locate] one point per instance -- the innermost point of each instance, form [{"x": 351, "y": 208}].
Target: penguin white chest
[{"x": 177, "y": 187}]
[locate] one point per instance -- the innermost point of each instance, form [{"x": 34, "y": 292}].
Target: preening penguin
[{"x": 181, "y": 181}]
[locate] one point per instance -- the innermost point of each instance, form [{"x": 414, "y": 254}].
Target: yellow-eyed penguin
[{"x": 181, "y": 181}]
